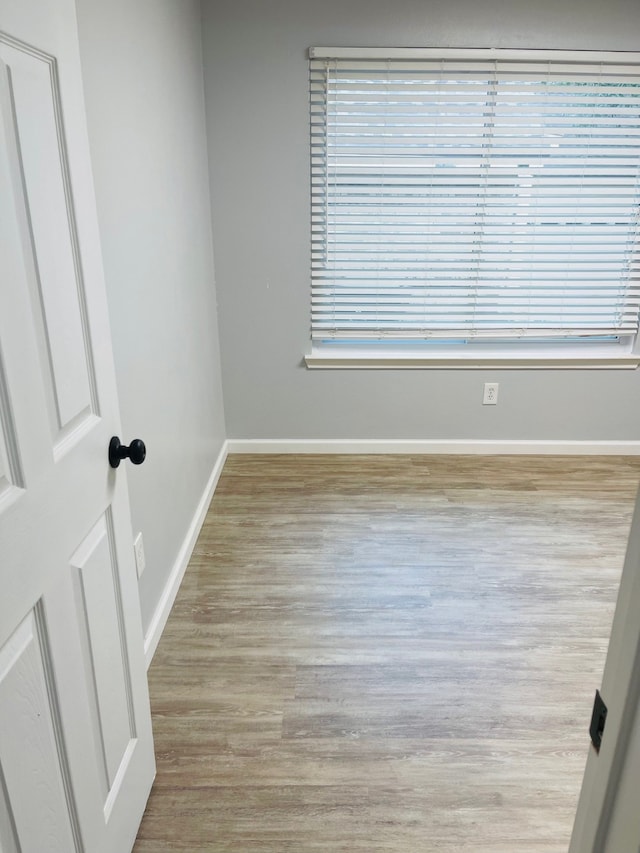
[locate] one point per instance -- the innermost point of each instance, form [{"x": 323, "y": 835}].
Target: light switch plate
[{"x": 138, "y": 549}]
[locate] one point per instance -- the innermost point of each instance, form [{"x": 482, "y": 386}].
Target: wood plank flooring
[{"x": 387, "y": 654}]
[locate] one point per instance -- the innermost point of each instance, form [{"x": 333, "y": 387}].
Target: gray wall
[
  {"x": 142, "y": 64},
  {"x": 256, "y": 93}
]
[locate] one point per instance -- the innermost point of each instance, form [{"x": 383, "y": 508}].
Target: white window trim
[
  {"x": 345, "y": 359},
  {"x": 615, "y": 57},
  {"x": 624, "y": 354}
]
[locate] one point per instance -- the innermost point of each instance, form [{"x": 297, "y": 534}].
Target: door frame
[{"x": 621, "y": 693}]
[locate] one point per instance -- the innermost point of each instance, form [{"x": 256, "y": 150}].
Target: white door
[
  {"x": 608, "y": 816},
  {"x": 76, "y": 751}
]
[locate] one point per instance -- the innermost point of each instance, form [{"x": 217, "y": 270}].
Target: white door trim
[{"x": 621, "y": 693}]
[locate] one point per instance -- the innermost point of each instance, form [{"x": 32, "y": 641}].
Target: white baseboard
[
  {"x": 161, "y": 614},
  {"x": 456, "y": 446}
]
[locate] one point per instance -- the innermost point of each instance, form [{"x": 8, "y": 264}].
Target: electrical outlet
[
  {"x": 138, "y": 550},
  {"x": 490, "y": 396}
]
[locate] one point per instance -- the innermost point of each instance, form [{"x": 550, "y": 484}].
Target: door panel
[
  {"x": 11, "y": 478},
  {"x": 36, "y": 122},
  {"x": 97, "y": 574},
  {"x": 33, "y": 763},
  {"x": 76, "y": 751}
]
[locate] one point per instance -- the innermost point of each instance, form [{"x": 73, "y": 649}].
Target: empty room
[{"x": 319, "y": 426}]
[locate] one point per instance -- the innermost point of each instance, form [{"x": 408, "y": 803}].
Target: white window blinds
[{"x": 474, "y": 195}]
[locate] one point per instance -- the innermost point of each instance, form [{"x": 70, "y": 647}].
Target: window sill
[{"x": 369, "y": 361}]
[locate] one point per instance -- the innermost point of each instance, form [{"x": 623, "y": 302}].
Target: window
[{"x": 475, "y": 202}]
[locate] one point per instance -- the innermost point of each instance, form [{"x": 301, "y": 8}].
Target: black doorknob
[{"x": 136, "y": 451}]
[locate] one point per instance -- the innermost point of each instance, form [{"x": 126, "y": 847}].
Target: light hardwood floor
[{"x": 387, "y": 654}]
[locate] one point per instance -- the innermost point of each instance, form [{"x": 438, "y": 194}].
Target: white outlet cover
[
  {"x": 490, "y": 395},
  {"x": 138, "y": 550}
]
